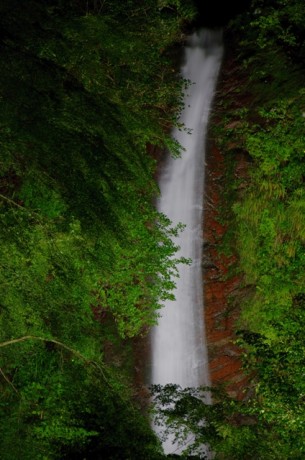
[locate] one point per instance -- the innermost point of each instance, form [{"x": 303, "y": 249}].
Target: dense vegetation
[
  {"x": 260, "y": 115},
  {"x": 86, "y": 261}
]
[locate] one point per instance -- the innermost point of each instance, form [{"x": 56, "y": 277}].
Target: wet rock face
[{"x": 220, "y": 317}]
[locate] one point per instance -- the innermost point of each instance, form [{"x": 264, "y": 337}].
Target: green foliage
[
  {"x": 268, "y": 221},
  {"x": 225, "y": 426},
  {"x": 233, "y": 430},
  {"x": 61, "y": 405},
  {"x": 276, "y": 23},
  {"x": 270, "y": 217},
  {"x": 86, "y": 260}
]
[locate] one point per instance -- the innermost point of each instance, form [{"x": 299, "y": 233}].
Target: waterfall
[{"x": 179, "y": 352}]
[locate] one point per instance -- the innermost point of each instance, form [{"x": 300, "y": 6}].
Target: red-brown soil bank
[{"x": 224, "y": 355}]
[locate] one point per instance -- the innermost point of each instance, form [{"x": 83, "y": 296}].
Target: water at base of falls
[{"x": 178, "y": 346}]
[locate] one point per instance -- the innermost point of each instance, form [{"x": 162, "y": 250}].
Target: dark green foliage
[
  {"x": 265, "y": 121},
  {"x": 224, "y": 426},
  {"x": 86, "y": 260},
  {"x": 234, "y": 430},
  {"x": 70, "y": 408},
  {"x": 276, "y": 23},
  {"x": 76, "y": 180}
]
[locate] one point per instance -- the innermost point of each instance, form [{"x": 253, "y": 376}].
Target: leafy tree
[
  {"x": 268, "y": 220},
  {"x": 86, "y": 260}
]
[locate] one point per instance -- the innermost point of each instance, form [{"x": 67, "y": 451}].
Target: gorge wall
[
  {"x": 219, "y": 285},
  {"x": 222, "y": 286}
]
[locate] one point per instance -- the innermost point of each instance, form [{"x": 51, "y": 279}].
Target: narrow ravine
[{"x": 179, "y": 351}]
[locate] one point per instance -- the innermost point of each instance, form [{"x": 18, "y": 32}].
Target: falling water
[{"x": 179, "y": 353}]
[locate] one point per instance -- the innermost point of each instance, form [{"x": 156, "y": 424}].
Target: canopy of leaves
[
  {"x": 264, "y": 118},
  {"x": 86, "y": 261}
]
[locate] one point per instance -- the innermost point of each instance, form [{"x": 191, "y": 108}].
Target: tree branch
[
  {"x": 8, "y": 381},
  {"x": 61, "y": 344}
]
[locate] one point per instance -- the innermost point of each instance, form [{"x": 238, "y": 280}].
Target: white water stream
[{"x": 179, "y": 353}]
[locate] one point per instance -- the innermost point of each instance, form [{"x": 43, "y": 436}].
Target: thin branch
[
  {"x": 61, "y": 344},
  {"x": 11, "y": 201},
  {"x": 14, "y": 203},
  {"x": 8, "y": 381}
]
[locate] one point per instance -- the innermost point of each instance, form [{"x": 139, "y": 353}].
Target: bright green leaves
[
  {"x": 271, "y": 215},
  {"x": 268, "y": 228},
  {"x": 45, "y": 280},
  {"x": 143, "y": 272},
  {"x": 278, "y": 23},
  {"x": 85, "y": 258},
  {"x": 39, "y": 196}
]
